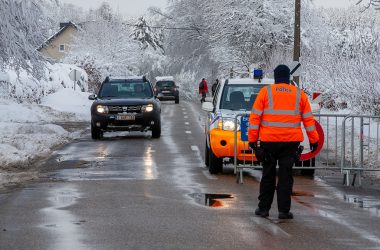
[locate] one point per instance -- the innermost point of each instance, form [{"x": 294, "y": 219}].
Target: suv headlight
[
  {"x": 102, "y": 109},
  {"x": 228, "y": 124},
  {"x": 148, "y": 108}
]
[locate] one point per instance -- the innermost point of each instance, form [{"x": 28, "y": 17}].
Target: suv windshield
[
  {"x": 126, "y": 90},
  {"x": 165, "y": 84},
  {"x": 240, "y": 96}
]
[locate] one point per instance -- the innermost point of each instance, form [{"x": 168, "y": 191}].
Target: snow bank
[
  {"x": 23, "y": 87},
  {"x": 67, "y": 100},
  {"x": 29, "y": 128}
]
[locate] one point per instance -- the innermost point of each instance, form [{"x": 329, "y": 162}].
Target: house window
[{"x": 61, "y": 47}]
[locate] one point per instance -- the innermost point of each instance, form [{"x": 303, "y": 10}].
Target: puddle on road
[
  {"x": 74, "y": 164},
  {"x": 211, "y": 200},
  {"x": 372, "y": 205},
  {"x": 59, "y": 219},
  {"x": 113, "y": 168}
]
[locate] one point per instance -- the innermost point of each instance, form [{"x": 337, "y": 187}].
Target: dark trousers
[
  {"x": 285, "y": 154},
  {"x": 203, "y": 96}
]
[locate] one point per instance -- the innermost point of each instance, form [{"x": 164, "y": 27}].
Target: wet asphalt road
[{"x": 129, "y": 191}]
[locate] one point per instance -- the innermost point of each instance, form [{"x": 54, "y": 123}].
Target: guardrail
[{"x": 360, "y": 132}]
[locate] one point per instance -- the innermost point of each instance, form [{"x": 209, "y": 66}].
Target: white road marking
[
  {"x": 186, "y": 117},
  {"x": 208, "y": 175},
  {"x": 185, "y": 113},
  {"x": 187, "y": 123},
  {"x": 194, "y": 148},
  {"x": 188, "y": 132}
]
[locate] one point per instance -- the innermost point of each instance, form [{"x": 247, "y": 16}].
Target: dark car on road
[
  {"x": 166, "y": 89},
  {"x": 125, "y": 104}
]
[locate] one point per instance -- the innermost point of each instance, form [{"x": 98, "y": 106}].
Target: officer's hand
[
  {"x": 313, "y": 146},
  {"x": 252, "y": 145}
]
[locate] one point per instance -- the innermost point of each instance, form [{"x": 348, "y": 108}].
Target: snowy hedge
[{"x": 21, "y": 86}]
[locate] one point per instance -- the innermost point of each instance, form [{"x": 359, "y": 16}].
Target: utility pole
[{"x": 297, "y": 37}]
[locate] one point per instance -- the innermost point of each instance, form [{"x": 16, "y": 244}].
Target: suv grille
[{"x": 127, "y": 109}]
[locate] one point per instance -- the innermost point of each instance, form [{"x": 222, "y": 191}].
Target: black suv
[
  {"x": 125, "y": 104},
  {"x": 166, "y": 89}
]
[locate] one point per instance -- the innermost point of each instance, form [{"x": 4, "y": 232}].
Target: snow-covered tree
[
  {"x": 147, "y": 36},
  {"x": 366, "y": 4},
  {"x": 105, "y": 47},
  {"x": 340, "y": 55},
  {"x": 244, "y": 33},
  {"x": 23, "y": 28}
]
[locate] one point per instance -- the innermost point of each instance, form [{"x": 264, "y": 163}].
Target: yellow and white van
[{"x": 232, "y": 97}]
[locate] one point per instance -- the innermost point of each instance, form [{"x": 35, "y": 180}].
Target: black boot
[
  {"x": 285, "y": 216},
  {"x": 262, "y": 213}
]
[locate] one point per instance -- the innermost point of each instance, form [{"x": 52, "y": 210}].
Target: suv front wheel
[
  {"x": 215, "y": 163},
  {"x": 96, "y": 133},
  {"x": 156, "y": 129},
  {"x": 207, "y": 155}
]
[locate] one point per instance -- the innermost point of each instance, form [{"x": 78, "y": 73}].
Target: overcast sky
[
  {"x": 334, "y": 3},
  {"x": 138, "y": 7},
  {"x": 124, "y": 7}
]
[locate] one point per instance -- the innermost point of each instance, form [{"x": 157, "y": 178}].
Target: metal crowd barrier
[
  {"x": 360, "y": 133},
  {"x": 360, "y": 146},
  {"x": 238, "y": 167}
]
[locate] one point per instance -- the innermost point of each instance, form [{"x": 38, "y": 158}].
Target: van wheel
[
  {"x": 207, "y": 155},
  {"x": 308, "y": 172},
  {"x": 156, "y": 129},
  {"x": 305, "y": 171},
  {"x": 215, "y": 163},
  {"x": 96, "y": 133}
]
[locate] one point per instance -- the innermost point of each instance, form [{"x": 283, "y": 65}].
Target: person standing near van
[
  {"x": 276, "y": 118},
  {"x": 214, "y": 87},
  {"x": 203, "y": 89}
]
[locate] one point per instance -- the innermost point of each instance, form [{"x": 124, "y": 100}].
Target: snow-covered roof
[
  {"x": 69, "y": 24},
  {"x": 120, "y": 77},
  {"x": 250, "y": 81},
  {"x": 164, "y": 78}
]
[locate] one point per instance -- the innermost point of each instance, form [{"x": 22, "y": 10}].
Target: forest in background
[{"x": 192, "y": 39}]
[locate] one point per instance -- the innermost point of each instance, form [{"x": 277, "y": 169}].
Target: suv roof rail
[
  {"x": 144, "y": 79},
  {"x": 107, "y": 79},
  {"x": 226, "y": 81}
]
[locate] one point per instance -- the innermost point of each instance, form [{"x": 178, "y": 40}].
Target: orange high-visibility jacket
[{"x": 277, "y": 114}]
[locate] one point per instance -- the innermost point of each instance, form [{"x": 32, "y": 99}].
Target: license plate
[
  {"x": 125, "y": 117},
  {"x": 165, "y": 92}
]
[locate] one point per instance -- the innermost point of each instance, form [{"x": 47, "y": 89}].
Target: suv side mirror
[
  {"x": 92, "y": 97},
  {"x": 207, "y": 106}
]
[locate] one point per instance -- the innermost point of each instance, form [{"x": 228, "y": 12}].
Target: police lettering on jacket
[{"x": 283, "y": 89}]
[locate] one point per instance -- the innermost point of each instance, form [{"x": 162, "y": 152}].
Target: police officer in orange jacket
[{"x": 276, "y": 118}]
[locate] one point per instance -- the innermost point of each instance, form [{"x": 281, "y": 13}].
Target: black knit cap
[{"x": 282, "y": 74}]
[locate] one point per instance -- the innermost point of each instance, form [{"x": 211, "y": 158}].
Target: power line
[{"x": 166, "y": 28}]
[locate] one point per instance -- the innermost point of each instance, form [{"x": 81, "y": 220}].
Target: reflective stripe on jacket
[{"x": 277, "y": 114}]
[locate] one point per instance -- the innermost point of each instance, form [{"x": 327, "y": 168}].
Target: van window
[
  {"x": 240, "y": 96},
  {"x": 163, "y": 84}
]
